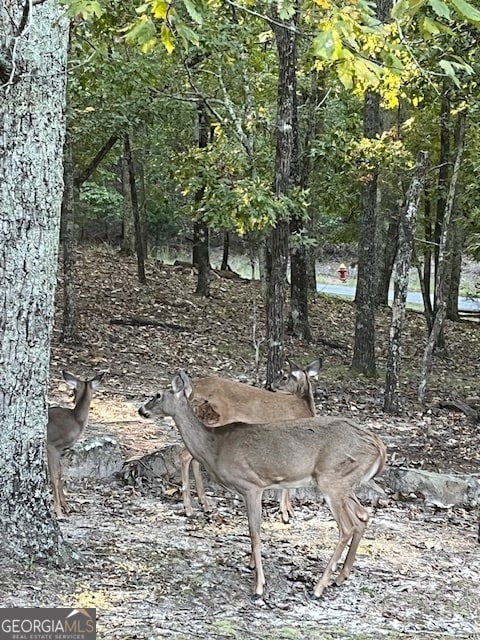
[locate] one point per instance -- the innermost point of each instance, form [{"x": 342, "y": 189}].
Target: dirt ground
[{"x": 152, "y": 573}]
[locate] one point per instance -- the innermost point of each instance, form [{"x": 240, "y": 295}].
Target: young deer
[
  {"x": 65, "y": 426},
  {"x": 218, "y": 401},
  {"x": 332, "y": 453}
]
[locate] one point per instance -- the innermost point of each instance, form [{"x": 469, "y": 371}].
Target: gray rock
[
  {"x": 437, "y": 489},
  {"x": 93, "y": 457}
]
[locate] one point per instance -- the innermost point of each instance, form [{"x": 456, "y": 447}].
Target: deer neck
[
  {"x": 83, "y": 400},
  {"x": 197, "y": 437},
  {"x": 308, "y": 398}
]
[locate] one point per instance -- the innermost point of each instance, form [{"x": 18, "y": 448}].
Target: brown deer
[
  {"x": 332, "y": 453},
  {"x": 65, "y": 426},
  {"x": 218, "y": 401}
]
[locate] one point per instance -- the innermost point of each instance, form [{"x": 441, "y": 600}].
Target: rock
[
  {"x": 93, "y": 457},
  {"x": 437, "y": 489}
]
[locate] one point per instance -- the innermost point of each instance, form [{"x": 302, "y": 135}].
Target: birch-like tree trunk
[
  {"x": 33, "y": 60},
  {"x": 401, "y": 276},
  {"x": 440, "y": 309}
]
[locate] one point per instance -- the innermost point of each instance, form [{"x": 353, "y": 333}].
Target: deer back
[{"x": 219, "y": 401}]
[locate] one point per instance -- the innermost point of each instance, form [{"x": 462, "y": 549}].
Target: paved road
[{"x": 413, "y": 297}]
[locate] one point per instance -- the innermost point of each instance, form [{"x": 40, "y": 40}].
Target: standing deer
[
  {"x": 332, "y": 453},
  {"x": 218, "y": 401},
  {"x": 65, "y": 426}
]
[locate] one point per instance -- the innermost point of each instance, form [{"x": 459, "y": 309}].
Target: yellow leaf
[
  {"x": 166, "y": 37},
  {"x": 160, "y": 9}
]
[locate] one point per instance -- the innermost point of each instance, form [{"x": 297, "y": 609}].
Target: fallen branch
[
  {"x": 147, "y": 322},
  {"x": 471, "y": 413}
]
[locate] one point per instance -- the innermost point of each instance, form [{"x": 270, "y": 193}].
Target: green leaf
[
  {"x": 286, "y": 9},
  {"x": 449, "y": 71},
  {"x": 430, "y": 27},
  {"x": 187, "y": 34},
  {"x": 323, "y": 45},
  {"x": 193, "y": 12},
  {"x": 440, "y": 8},
  {"x": 399, "y": 9},
  {"x": 467, "y": 11}
]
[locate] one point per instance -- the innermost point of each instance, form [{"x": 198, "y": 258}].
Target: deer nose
[{"x": 143, "y": 412}]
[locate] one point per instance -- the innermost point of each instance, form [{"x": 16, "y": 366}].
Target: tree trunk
[
  {"x": 128, "y": 239},
  {"x": 440, "y": 310},
  {"x": 443, "y": 171},
  {"x": 277, "y": 241},
  {"x": 70, "y": 332},
  {"x": 458, "y": 236},
  {"x": 364, "y": 342},
  {"x": 226, "y": 250},
  {"x": 201, "y": 235},
  {"x": 298, "y": 321},
  {"x": 425, "y": 278},
  {"x": 135, "y": 210},
  {"x": 32, "y": 108},
  {"x": 402, "y": 270}
]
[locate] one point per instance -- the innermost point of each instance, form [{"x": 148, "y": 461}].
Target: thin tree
[
  {"x": 70, "y": 333},
  {"x": 201, "y": 235},
  {"x": 32, "y": 112},
  {"x": 440, "y": 309},
  {"x": 401, "y": 277},
  {"x": 139, "y": 245}
]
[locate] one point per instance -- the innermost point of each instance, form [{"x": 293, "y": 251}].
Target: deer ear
[
  {"x": 70, "y": 379},
  {"x": 294, "y": 368},
  {"x": 96, "y": 381},
  {"x": 181, "y": 382},
  {"x": 314, "y": 367}
]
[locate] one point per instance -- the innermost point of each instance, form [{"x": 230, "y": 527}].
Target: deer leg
[
  {"x": 197, "y": 474},
  {"x": 359, "y": 516},
  {"x": 253, "y": 503},
  {"x": 286, "y": 508},
  {"x": 54, "y": 472},
  {"x": 345, "y": 530},
  {"x": 185, "y": 460}
]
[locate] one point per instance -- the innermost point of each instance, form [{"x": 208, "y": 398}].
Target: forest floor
[{"x": 152, "y": 573}]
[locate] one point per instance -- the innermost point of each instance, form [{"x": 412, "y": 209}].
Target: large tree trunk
[
  {"x": 277, "y": 241},
  {"x": 440, "y": 309},
  {"x": 402, "y": 270},
  {"x": 32, "y": 106},
  {"x": 364, "y": 342},
  {"x": 70, "y": 332}
]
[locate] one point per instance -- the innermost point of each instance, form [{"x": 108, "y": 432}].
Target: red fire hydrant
[{"x": 342, "y": 272}]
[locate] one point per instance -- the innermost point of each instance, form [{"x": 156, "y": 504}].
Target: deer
[
  {"x": 331, "y": 453},
  {"x": 218, "y": 401},
  {"x": 64, "y": 428}
]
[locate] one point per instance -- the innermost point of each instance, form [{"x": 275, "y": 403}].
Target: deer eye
[{"x": 158, "y": 396}]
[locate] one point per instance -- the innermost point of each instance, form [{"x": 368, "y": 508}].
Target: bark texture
[
  {"x": 440, "y": 308},
  {"x": 32, "y": 105},
  {"x": 402, "y": 270},
  {"x": 277, "y": 241},
  {"x": 70, "y": 333},
  {"x": 363, "y": 359}
]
